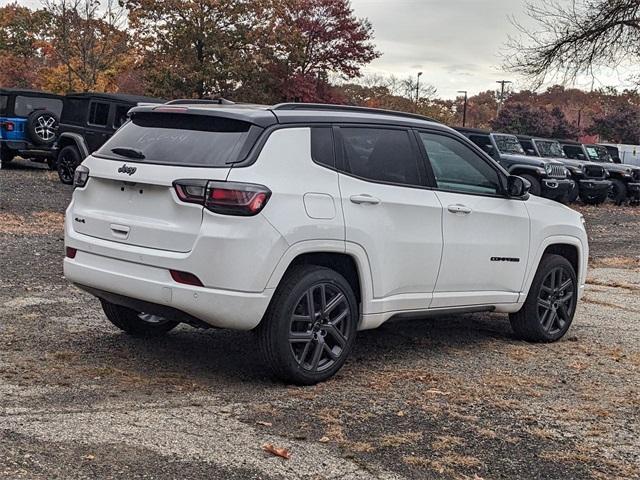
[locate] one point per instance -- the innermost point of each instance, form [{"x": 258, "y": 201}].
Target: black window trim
[
  {"x": 332, "y": 129},
  {"x": 340, "y": 161},
  {"x": 89, "y": 122},
  {"x": 502, "y": 174}
]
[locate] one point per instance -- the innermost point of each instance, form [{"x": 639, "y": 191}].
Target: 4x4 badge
[{"x": 127, "y": 169}]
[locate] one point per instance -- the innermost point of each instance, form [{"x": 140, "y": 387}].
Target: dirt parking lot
[{"x": 438, "y": 398}]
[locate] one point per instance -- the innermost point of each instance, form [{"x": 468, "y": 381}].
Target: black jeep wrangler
[
  {"x": 548, "y": 177},
  {"x": 590, "y": 178},
  {"x": 88, "y": 121},
  {"x": 625, "y": 179},
  {"x": 28, "y": 123}
]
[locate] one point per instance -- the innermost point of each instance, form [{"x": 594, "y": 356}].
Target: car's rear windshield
[
  {"x": 4, "y": 101},
  {"x": 27, "y": 104},
  {"x": 180, "y": 139}
]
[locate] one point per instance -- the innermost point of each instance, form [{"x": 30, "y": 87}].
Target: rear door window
[
  {"x": 25, "y": 105},
  {"x": 4, "y": 101},
  {"x": 180, "y": 139},
  {"x": 381, "y": 155},
  {"x": 99, "y": 113}
]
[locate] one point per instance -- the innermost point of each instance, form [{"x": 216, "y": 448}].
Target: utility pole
[
  {"x": 502, "y": 84},
  {"x": 464, "y": 111},
  {"x": 418, "y": 88}
]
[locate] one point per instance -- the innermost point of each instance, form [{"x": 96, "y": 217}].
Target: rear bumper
[
  {"x": 27, "y": 148},
  {"x": 216, "y": 307},
  {"x": 590, "y": 187},
  {"x": 555, "y": 188}
]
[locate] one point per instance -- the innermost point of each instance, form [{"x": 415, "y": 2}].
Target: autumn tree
[
  {"x": 619, "y": 126},
  {"x": 575, "y": 38},
  {"x": 25, "y": 46},
  {"x": 89, "y": 39},
  {"x": 525, "y": 119}
]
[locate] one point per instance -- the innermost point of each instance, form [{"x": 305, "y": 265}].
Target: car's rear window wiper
[{"x": 128, "y": 152}]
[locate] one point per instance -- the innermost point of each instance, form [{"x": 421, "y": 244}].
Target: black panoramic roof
[
  {"x": 29, "y": 93},
  {"x": 296, "y": 113},
  {"x": 120, "y": 97}
]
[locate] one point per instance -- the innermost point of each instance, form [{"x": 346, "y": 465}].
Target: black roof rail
[
  {"x": 200, "y": 101},
  {"x": 349, "y": 108}
]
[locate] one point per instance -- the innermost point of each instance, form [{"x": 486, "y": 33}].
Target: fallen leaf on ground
[
  {"x": 325, "y": 440},
  {"x": 438, "y": 392},
  {"x": 264, "y": 424},
  {"x": 277, "y": 451},
  {"x": 400, "y": 413}
]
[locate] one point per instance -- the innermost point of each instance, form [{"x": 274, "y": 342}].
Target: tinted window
[
  {"x": 74, "y": 111},
  {"x": 121, "y": 115},
  {"x": 574, "y": 151},
  {"x": 380, "y": 155},
  {"x": 98, "y": 113},
  {"x": 179, "y": 139},
  {"x": 322, "y": 146},
  {"x": 483, "y": 141},
  {"x": 4, "y": 100},
  {"x": 25, "y": 105},
  {"x": 528, "y": 147},
  {"x": 458, "y": 168},
  {"x": 550, "y": 149}
]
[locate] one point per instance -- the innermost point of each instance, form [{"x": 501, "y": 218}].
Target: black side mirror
[
  {"x": 531, "y": 152},
  {"x": 581, "y": 156},
  {"x": 517, "y": 187}
]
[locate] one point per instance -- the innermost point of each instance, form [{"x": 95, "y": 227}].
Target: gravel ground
[{"x": 452, "y": 397}]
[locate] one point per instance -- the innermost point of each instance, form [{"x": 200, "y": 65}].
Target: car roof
[
  {"x": 119, "y": 97},
  {"x": 29, "y": 92},
  {"x": 472, "y": 130},
  {"x": 267, "y": 115},
  {"x": 569, "y": 142}
]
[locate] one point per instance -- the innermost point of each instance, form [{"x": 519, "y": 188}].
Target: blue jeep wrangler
[{"x": 28, "y": 124}]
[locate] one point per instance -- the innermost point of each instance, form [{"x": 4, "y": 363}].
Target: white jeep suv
[{"x": 307, "y": 223}]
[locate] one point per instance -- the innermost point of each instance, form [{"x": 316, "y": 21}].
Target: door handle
[
  {"x": 459, "y": 209},
  {"x": 364, "y": 198}
]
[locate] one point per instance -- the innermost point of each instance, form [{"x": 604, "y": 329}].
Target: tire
[
  {"x": 6, "y": 155},
  {"x": 67, "y": 162},
  {"x": 42, "y": 127},
  {"x": 617, "y": 191},
  {"x": 536, "y": 187},
  {"x": 297, "y": 349},
  {"x": 596, "y": 199},
  {"x": 573, "y": 194},
  {"x": 136, "y": 323},
  {"x": 548, "y": 321}
]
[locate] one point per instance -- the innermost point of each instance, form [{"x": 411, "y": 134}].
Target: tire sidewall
[
  {"x": 536, "y": 187},
  {"x": 32, "y": 124},
  {"x": 281, "y": 324},
  {"x": 618, "y": 192},
  {"x": 68, "y": 156},
  {"x": 549, "y": 263}
]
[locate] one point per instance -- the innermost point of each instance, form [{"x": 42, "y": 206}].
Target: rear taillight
[
  {"x": 186, "y": 278},
  {"x": 225, "y": 198},
  {"x": 71, "y": 252},
  {"x": 9, "y": 126},
  {"x": 80, "y": 176}
]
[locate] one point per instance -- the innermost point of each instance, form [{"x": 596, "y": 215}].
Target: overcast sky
[{"x": 455, "y": 43}]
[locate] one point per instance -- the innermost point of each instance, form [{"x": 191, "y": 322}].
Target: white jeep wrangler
[{"x": 307, "y": 223}]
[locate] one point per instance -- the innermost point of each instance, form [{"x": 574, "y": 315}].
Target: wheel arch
[
  {"x": 67, "y": 138},
  {"x": 571, "y": 248}
]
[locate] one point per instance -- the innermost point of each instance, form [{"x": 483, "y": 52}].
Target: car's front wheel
[
  {"x": 138, "y": 324},
  {"x": 617, "y": 191},
  {"x": 536, "y": 186},
  {"x": 310, "y": 326},
  {"x": 551, "y": 303}
]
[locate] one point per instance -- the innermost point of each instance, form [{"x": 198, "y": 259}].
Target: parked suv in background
[
  {"x": 548, "y": 177},
  {"x": 88, "y": 120},
  {"x": 625, "y": 179},
  {"x": 28, "y": 124},
  {"x": 307, "y": 223},
  {"x": 590, "y": 178}
]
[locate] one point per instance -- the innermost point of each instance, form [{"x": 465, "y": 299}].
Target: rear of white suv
[{"x": 308, "y": 223}]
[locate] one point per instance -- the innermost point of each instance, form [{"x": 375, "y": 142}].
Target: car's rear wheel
[
  {"x": 137, "y": 323},
  {"x": 551, "y": 303},
  {"x": 310, "y": 326},
  {"x": 536, "y": 187},
  {"x": 617, "y": 191},
  {"x": 68, "y": 161}
]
